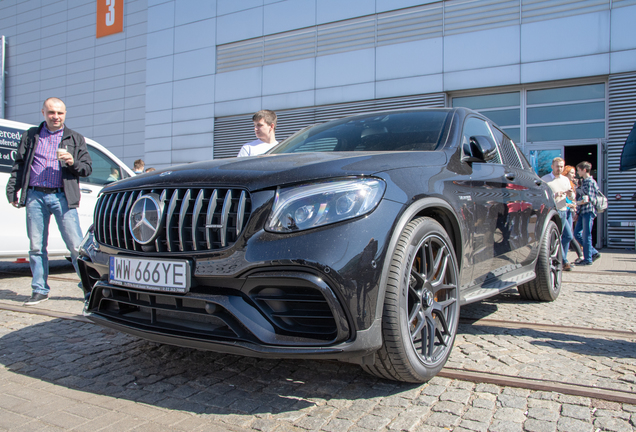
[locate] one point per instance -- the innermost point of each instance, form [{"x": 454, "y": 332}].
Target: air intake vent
[{"x": 193, "y": 219}]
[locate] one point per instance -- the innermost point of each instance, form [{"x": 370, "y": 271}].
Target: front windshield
[{"x": 392, "y": 131}]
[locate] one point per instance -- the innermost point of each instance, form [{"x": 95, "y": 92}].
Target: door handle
[
  {"x": 85, "y": 190},
  {"x": 510, "y": 176}
]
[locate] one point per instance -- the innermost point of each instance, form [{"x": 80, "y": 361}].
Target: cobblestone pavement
[{"x": 58, "y": 374}]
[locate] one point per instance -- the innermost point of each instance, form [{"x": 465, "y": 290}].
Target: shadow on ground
[{"x": 93, "y": 359}]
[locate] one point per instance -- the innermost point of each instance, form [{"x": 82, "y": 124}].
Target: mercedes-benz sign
[{"x": 145, "y": 218}]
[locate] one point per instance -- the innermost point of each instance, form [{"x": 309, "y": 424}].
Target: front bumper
[
  {"x": 310, "y": 294},
  {"x": 219, "y": 331}
]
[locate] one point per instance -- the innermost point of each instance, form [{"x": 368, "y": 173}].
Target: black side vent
[{"x": 298, "y": 311}]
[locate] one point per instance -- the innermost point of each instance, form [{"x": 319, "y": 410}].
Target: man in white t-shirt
[
  {"x": 265, "y": 130},
  {"x": 562, "y": 188}
]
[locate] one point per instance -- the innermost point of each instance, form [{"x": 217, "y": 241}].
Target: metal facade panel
[
  {"x": 350, "y": 35},
  {"x": 541, "y": 10},
  {"x": 438, "y": 19},
  {"x": 462, "y": 16},
  {"x": 622, "y": 115},
  {"x": 622, "y": 3},
  {"x": 294, "y": 45},
  {"x": 422, "y": 22}
]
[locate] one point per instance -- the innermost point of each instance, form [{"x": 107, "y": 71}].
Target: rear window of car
[{"x": 399, "y": 131}]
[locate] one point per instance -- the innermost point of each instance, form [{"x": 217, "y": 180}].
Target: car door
[
  {"x": 524, "y": 197},
  {"x": 493, "y": 251}
]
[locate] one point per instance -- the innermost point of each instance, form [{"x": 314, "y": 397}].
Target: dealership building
[{"x": 174, "y": 81}]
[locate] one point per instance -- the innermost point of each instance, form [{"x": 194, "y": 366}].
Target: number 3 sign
[{"x": 110, "y": 17}]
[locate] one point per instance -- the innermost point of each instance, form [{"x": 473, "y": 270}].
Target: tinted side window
[
  {"x": 473, "y": 127},
  {"x": 524, "y": 160},
  {"x": 508, "y": 149},
  {"x": 105, "y": 170}
]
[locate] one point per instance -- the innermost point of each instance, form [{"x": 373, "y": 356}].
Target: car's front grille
[{"x": 193, "y": 219}]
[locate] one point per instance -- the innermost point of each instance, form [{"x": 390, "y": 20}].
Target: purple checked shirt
[{"x": 45, "y": 169}]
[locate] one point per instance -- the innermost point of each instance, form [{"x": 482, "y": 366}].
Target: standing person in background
[
  {"x": 138, "y": 166},
  {"x": 570, "y": 172},
  {"x": 586, "y": 201},
  {"x": 48, "y": 164},
  {"x": 561, "y": 187},
  {"x": 151, "y": 169},
  {"x": 265, "y": 130}
]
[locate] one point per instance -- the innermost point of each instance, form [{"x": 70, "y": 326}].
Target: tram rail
[{"x": 466, "y": 374}]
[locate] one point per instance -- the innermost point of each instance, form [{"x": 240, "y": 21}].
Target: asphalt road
[{"x": 65, "y": 374}]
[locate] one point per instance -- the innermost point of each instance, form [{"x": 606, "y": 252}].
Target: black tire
[
  {"x": 421, "y": 306},
  {"x": 547, "y": 285}
]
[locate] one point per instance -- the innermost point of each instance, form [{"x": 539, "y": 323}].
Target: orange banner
[{"x": 110, "y": 17}]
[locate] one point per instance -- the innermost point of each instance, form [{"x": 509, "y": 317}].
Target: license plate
[{"x": 152, "y": 274}]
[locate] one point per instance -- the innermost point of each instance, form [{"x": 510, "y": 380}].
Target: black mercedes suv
[{"x": 357, "y": 239}]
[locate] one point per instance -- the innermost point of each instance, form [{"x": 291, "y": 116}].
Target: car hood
[{"x": 263, "y": 172}]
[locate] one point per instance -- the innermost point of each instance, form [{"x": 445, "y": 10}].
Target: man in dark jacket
[{"x": 45, "y": 179}]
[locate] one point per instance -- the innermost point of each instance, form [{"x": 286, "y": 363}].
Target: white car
[{"x": 14, "y": 242}]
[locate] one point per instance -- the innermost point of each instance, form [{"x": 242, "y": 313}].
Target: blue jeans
[
  {"x": 583, "y": 233},
  {"x": 39, "y": 208},
  {"x": 566, "y": 232}
]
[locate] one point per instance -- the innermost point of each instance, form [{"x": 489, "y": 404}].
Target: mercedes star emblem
[{"x": 145, "y": 218}]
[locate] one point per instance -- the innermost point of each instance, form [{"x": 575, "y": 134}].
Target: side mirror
[{"x": 480, "y": 149}]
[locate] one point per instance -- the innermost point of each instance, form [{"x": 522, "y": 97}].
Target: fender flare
[{"x": 442, "y": 210}]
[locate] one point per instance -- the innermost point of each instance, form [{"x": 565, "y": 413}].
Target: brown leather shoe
[{"x": 567, "y": 267}]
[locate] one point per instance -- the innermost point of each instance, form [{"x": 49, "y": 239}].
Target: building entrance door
[{"x": 540, "y": 156}]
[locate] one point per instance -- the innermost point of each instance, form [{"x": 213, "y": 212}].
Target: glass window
[
  {"x": 566, "y": 132},
  {"x": 319, "y": 145},
  {"x": 502, "y": 108},
  {"x": 488, "y": 101},
  {"x": 554, "y": 114},
  {"x": 566, "y": 94},
  {"x": 559, "y": 117},
  {"x": 566, "y": 113},
  {"x": 524, "y": 160},
  {"x": 541, "y": 160},
  {"x": 507, "y": 117},
  {"x": 513, "y": 133},
  {"x": 390, "y": 131},
  {"x": 507, "y": 149},
  {"x": 105, "y": 170},
  {"x": 511, "y": 154}
]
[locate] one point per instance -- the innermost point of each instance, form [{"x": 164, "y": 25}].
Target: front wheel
[
  {"x": 421, "y": 306},
  {"x": 546, "y": 286}
]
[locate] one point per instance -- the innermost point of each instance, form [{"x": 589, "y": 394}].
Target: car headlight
[{"x": 313, "y": 205}]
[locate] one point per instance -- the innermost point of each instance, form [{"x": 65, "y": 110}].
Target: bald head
[{"x": 54, "y": 112}]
